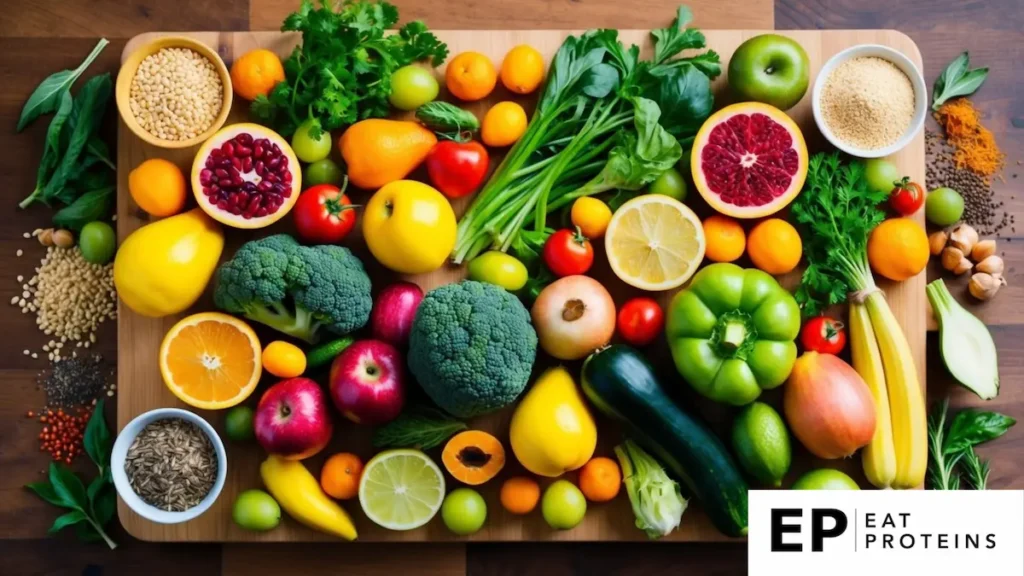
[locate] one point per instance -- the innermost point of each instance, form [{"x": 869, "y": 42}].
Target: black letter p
[{"x": 818, "y": 532}]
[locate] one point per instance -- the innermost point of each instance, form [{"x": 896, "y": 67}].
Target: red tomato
[
  {"x": 324, "y": 215},
  {"x": 640, "y": 321},
  {"x": 568, "y": 252},
  {"x": 907, "y": 197},
  {"x": 457, "y": 168},
  {"x": 824, "y": 335}
]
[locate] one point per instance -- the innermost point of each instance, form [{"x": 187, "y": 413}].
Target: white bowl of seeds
[
  {"x": 869, "y": 101},
  {"x": 168, "y": 465}
]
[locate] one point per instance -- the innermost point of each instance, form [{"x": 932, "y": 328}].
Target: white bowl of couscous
[
  {"x": 174, "y": 92},
  {"x": 869, "y": 101}
]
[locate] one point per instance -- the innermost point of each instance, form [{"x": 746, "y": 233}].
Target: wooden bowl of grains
[
  {"x": 869, "y": 101},
  {"x": 168, "y": 465},
  {"x": 174, "y": 92}
]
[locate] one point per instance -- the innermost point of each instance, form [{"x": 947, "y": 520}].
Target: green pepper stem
[{"x": 734, "y": 335}]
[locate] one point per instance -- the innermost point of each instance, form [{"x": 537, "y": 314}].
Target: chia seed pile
[
  {"x": 981, "y": 208},
  {"x": 75, "y": 381}
]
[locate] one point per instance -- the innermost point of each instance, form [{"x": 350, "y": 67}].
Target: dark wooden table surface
[{"x": 37, "y": 38}]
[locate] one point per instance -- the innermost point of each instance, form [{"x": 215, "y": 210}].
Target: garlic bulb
[
  {"x": 991, "y": 265},
  {"x": 937, "y": 241},
  {"x": 953, "y": 259},
  {"x": 964, "y": 237},
  {"x": 984, "y": 286},
  {"x": 983, "y": 250}
]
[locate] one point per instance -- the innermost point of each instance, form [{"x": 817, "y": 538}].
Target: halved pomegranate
[
  {"x": 246, "y": 176},
  {"x": 749, "y": 160}
]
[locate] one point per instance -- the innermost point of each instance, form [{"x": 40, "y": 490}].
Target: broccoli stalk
[{"x": 299, "y": 324}]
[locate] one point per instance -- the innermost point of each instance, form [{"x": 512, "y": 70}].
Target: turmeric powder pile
[{"x": 976, "y": 147}]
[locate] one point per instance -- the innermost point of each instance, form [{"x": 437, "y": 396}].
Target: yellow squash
[
  {"x": 298, "y": 492},
  {"x": 552, "y": 430},
  {"x": 879, "y": 456},
  {"x": 906, "y": 400},
  {"x": 163, "y": 267}
]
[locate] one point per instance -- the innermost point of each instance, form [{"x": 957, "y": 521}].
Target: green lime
[
  {"x": 825, "y": 479},
  {"x": 944, "y": 207},
  {"x": 97, "y": 242},
  {"x": 401, "y": 489},
  {"x": 256, "y": 510},
  {"x": 464, "y": 511},
  {"x": 563, "y": 505},
  {"x": 761, "y": 443},
  {"x": 671, "y": 183},
  {"x": 238, "y": 424}
]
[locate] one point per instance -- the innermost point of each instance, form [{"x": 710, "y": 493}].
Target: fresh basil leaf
[
  {"x": 600, "y": 80},
  {"x": 51, "y": 151},
  {"x": 47, "y": 96},
  {"x": 956, "y": 80},
  {"x": 89, "y": 207},
  {"x": 967, "y": 84},
  {"x": 45, "y": 491},
  {"x": 102, "y": 499},
  {"x": 68, "y": 487},
  {"x": 97, "y": 439},
  {"x": 69, "y": 519},
  {"x": 972, "y": 427},
  {"x": 949, "y": 75},
  {"x": 86, "y": 115}
]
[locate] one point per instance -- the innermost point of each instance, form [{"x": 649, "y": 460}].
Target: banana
[
  {"x": 298, "y": 492},
  {"x": 879, "y": 456}
]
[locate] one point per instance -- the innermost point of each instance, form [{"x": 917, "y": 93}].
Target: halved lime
[{"x": 401, "y": 489}]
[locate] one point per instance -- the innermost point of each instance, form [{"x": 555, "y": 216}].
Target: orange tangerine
[
  {"x": 503, "y": 124},
  {"x": 522, "y": 71},
  {"x": 725, "y": 238},
  {"x": 211, "y": 360},
  {"x": 256, "y": 73},
  {"x": 470, "y": 76},
  {"x": 158, "y": 187}
]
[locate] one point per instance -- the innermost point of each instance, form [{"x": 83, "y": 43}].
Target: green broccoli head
[
  {"x": 472, "y": 347},
  {"x": 295, "y": 289}
]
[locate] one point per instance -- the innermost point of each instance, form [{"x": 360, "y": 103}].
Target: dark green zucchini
[{"x": 622, "y": 385}]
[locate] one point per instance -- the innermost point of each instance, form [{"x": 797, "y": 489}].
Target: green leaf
[
  {"x": 45, "y": 491},
  {"x": 87, "y": 533},
  {"x": 102, "y": 498},
  {"x": 86, "y": 115},
  {"x": 600, "y": 80},
  {"x": 51, "y": 151},
  {"x": 89, "y": 207},
  {"x": 47, "y": 96},
  {"x": 421, "y": 427},
  {"x": 957, "y": 80},
  {"x": 684, "y": 96},
  {"x": 977, "y": 470},
  {"x": 972, "y": 427},
  {"x": 69, "y": 519},
  {"x": 669, "y": 42},
  {"x": 97, "y": 439},
  {"x": 68, "y": 487},
  {"x": 445, "y": 117}
]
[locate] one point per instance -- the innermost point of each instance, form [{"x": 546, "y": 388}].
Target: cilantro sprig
[
  {"x": 836, "y": 212},
  {"x": 341, "y": 73}
]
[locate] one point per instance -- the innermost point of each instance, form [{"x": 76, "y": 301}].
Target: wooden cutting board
[{"x": 141, "y": 388}]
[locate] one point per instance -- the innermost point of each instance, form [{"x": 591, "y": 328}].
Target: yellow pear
[
  {"x": 163, "y": 267},
  {"x": 552, "y": 430}
]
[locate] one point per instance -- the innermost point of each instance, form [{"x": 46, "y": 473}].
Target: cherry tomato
[
  {"x": 907, "y": 197},
  {"x": 568, "y": 252},
  {"x": 823, "y": 335},
  {"x": 640, "y": 321},
  {"x": 457, "y": 168},
  {"x": 324, "y": 215}
]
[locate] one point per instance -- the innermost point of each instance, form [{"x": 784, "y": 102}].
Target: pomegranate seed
[
  {"x": 225, "y": 182},
  {"x": 221, "y": 173},
  {"x": 260, "y": 168},
  {"x": 264, "y": 187},
  {"x": 236, "y": 163},
  {"x": 243, "y": 151},
  {"x": 276, "y": 149},
  {"x": 237, "y": 181},
  {"x": 205, "y": 176},
  {"x": 228, "y": 149},
  {"x": 224, "y": 163},
  {"x": 261, "y": 212},
  {"x": 222, "y": 205},
  {"x": 209, "y": 162},
  {"x": 247, "y": 164},
  {"x": 208, "y": 190},
  {"x": 286, "y": 177},
  {"x": 257, "y": 150},
  {"x": 216, "y": 154},
  {"x": 274, "y": 163},
  {"x": 236, "y": 210},
  {"x": 244, "y": 139},
  {"x": 287, "y": 192},
  {"x": 249, "y": 187}
]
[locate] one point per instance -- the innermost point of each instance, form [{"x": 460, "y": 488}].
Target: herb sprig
[
  {"x": 951, "y": 447},
  {"x": 89, "y": 508},
  {"x": 837, "y": 211},
  {"x": 957, "y": 80},
  {"x": 341, "y": 73},
  {"x": 422, "y": 428}
]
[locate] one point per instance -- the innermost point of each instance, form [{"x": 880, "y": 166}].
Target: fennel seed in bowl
[{"x": 171, "y": 465}]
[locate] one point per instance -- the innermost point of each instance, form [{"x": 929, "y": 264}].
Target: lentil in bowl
[{"x": 174, "y": 92}]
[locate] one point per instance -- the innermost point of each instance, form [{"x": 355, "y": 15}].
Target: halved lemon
[
  {"x": 401, "y": 489},
  {"x": 654, "y": 242},
  {"x": 211, "y": 360}
]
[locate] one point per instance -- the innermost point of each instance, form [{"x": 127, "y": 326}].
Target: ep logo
[{"x": 821, "y": 523}]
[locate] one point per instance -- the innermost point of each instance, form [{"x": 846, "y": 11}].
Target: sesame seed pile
[
  {"x": 70, "y": 298},
  {"x": 868, "y": 102},
  {"x": 176, "y": 94}
]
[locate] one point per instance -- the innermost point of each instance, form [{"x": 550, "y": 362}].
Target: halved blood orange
[
  {"x": 211, "y": 360},
  {"x": 749, "y": 160},
  {"x": 246, "y": 176}
]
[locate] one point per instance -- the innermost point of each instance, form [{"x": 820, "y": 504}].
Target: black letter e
[{"x": 779, "y": 528}]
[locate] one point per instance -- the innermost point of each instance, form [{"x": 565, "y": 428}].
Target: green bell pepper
[{"x": 731, "y": 333}]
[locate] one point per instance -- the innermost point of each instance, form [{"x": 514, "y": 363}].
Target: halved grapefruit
[
  {"x": 246, "y": 176},
  {"x": 749, "y": 160}
]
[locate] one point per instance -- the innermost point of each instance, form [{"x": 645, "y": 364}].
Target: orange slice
[{"x": 211, "y": 360}]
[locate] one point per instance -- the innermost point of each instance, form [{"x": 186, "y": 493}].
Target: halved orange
[{"x": 211, "y": 360}]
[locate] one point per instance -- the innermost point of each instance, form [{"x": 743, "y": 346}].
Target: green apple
[{"x": 770, "y": 68}]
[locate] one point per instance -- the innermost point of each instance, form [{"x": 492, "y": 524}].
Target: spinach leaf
[
  {"x": 47, "y": 96},
  {"x": 89, "y": 207},
  {"x": 86, "y": 116},
  {"x": 575, "y": 57},
  {"x": 51, "y": 150},
  {"x": 600, "y": 80},
  {"x": 684, "y": 96},
  {"x": 97, "y": 439}
]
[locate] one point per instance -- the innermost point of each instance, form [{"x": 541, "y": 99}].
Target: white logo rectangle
[{"x": 881, "y": 532}]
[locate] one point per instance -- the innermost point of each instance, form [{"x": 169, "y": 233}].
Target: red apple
[
  {"x": 292, "y": 419},
  {"x": 394, "y": 311},
  {"x": 368, "y": 382}
]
